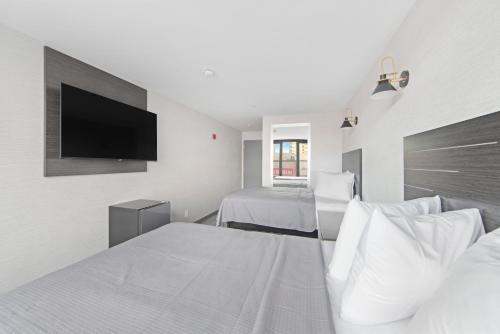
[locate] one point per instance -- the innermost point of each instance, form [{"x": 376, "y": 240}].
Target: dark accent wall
[
  {"x": 62, "y": 68},
  {"x": 458, "y": 161},
  {"x": 353, "y": 162}
]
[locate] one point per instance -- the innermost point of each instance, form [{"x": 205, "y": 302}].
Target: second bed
[
  {"x": 296, "y": 211},
  {"x": 271, "y": 209}
]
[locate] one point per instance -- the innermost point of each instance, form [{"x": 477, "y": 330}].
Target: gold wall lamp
[
  {"x": 349, "y": 121},
  {"x": 385, "y": 88}
]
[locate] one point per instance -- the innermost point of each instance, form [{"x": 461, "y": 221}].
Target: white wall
[
  {"x": 48, "y": 223},
  {"x": 290, "y": 132},
  {"x": 452, "y": 50},
  {"x": 325, "y": 143},
  {"x": 251, "y": 135}
]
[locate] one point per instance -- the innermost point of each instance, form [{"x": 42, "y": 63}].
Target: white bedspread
[
  {"x": 287, "y": 208},
  {"x": 181, "y": 278}
]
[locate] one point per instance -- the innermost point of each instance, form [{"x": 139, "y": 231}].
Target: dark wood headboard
[
  {"x": 460, "y": 162},
  {"x": 352, "y": 162}
]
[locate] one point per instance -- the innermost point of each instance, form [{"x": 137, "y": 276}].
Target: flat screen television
[{"x": 93, "y": 126}]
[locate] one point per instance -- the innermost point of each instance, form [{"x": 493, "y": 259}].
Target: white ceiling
[{"x": 270, "y": 56}]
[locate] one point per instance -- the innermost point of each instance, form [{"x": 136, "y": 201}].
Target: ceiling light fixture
[
  {"x": 209, "y": 73},
  {"x": 385, "y": 88},
  {"x": 349, "y": 121}
]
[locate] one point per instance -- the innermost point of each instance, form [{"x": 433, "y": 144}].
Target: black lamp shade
[
  {"x": 346, "y": 124},
  {"x": 383, "y": 90}
]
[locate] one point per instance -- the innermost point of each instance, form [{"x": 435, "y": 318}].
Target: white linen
[
  {"x": 328, "y": 204},
  {"x": 181, "y": 279},
  {"x": 345, "y": 327},
  {"x": 468, "y": 301},
  {"x": 355, "y": 219},
  {"x": 335, "y": 186},
  {"x": 287, "y": 208},
  {"x": 342, "y": 326},
  {"x": 401, "y": 261},
  {"x": 433, "y": 202}
]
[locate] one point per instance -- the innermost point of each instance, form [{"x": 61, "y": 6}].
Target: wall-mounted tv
[{"x": 93, "y": 126}]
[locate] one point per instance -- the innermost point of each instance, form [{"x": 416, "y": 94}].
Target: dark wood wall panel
[
  {"x": 484, "y": 187},
  {"x": 62, "y": 68},
  {"x": 477, "y": 130},
  {"x": 353, "y": 162},
  {"x": 412, "y": 192},
  {"x": 459, "y": 161},
  {"x": 465, "y": 159}
]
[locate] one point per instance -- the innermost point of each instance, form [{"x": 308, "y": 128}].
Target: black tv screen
[{"x": 93, "y": 126}]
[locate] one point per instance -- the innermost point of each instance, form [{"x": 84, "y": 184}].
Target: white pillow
[
  {"x": 335, "y": 186},
  {"x": 401, "y": 261},
  {"x": 468, "y": 301},
  {"x": 433, "y": 202},
  {"x": 355, "y": 219}
]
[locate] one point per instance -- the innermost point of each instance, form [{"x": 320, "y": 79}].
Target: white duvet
[{"x": 181, "y": 278}]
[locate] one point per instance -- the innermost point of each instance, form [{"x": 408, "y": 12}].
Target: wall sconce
[
  {"x": 385, "y": 88},
  {"x": 349, "y": 121}
]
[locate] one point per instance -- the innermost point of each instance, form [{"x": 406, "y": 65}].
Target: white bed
[
  {"x": 392, "y": 285},
  {"x": 332, "y": 194},
  {"x": 181, "y": 278},
  {"x": 186, "y": 278},
  {"x": 282, "y": 208},
  {"x": 296, "y": 211},
  {"x": 344, "y": 327}
]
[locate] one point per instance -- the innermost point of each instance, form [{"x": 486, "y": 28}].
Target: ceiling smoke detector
[{"x": 209, "y": 73}]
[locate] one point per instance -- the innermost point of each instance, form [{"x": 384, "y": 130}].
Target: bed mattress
[
  {"x": 181, "y": 278},
  {"x": 285, "y": 208}
]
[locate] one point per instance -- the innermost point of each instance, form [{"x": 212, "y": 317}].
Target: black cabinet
[{"x": 130, "y": 219}]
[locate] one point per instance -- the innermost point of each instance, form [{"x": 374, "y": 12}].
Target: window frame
[{"x": 280, "y": 161}]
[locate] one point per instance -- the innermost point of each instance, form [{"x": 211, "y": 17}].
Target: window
[{"x": 290, "y": 158}]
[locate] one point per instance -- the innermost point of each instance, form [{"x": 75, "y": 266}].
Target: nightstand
[
  {"x": 329, "y": 224},
  {"x": 130, "y": 219}
]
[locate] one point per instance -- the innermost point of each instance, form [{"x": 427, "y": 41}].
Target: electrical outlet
[{"x": 186, "y": 213}]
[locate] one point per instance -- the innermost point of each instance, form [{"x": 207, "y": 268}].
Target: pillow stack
[
  {"x": 401, "y": 261},
  {"x": 392, "y": 258},
  {"x": 468, "y": 301},
  {"x": 355, "y": 220},
  {"x": 335, "y": 186}
]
